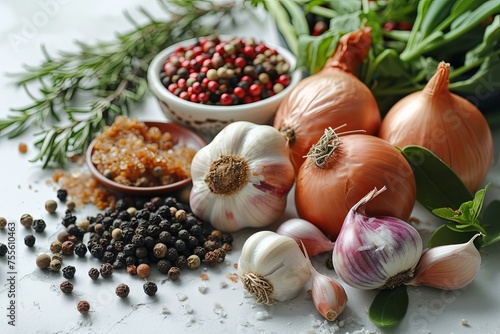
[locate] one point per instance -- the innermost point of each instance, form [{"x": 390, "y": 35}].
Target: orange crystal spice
[{"x": 131, "y": 153}]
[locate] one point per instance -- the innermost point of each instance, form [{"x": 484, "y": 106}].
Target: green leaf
[
  {"x": 477, "y": 202},
  {"x": 315, "y": 50},
  {"x": 490, "y": 42},
  {"x": 389, "y": 307},
  {"x": 449, "y": 214},
  {"x": 443, "y": 235},
  {"x": 344, "y": 6},
  {"x": 346, "y": 23},
  {"x": 466, "y": 228},
  {"x": 436, "y": 13},
  {"x": 437, "y": 184},
  {"x": 491, "y": 223}
]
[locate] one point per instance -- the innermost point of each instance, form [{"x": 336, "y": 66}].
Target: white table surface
[{"x": 42, "y": 308}]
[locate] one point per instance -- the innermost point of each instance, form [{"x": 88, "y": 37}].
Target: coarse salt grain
[
  {"x": 222, "y": 284},
  {"x": 165, "y": 310},
  {"x": 202, "y": 288},
  {"x": 262, "y": 315},
  {"x": 181, "y": 297}
]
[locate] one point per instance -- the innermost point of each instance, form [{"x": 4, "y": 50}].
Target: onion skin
[
  {"x": 324, "y": 196},
  {"x": 446, "y": 124},
  {"x": 331, "y": 97}
]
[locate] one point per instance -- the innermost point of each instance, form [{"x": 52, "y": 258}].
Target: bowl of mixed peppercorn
[{"x": 206, "y": 83}]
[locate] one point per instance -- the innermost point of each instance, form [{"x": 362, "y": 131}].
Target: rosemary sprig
[{"x": 113, "y": 73}]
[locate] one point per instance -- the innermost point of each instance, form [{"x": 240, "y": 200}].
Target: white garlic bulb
[
  {"x": 242, "y": 178},
  {"x": 448, "y": 267},
  {"x": 272, "y": 267}
]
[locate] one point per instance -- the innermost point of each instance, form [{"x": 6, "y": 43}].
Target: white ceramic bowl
[{"x": 208, "y": 120}]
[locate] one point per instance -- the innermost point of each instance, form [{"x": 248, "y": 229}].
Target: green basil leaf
[
  {"x": 466, "y": 210},
  {"x": 477, "y": 202},
  {"x": 443, "y": 235},
  {"x": 347, "y": 23},
  {"x": 389, "y": 307},
  {"x": 491, "y": 223},
  {"x": 449, "y": 214},
  {"x": 437, "y": 184}
]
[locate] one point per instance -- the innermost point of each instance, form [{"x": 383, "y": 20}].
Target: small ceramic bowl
[
  {"x": 183, "y": 136},
  {"x": 208, "y": 120}
]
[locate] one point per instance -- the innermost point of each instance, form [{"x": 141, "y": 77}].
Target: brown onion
[
  {"x": 342, "y": 169},
  {"x": 330, "y": 97},
  {"x": 445, "y": 123}
]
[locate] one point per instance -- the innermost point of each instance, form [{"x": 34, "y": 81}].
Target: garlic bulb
[
  {"x": 272, "y": 267},
  {"x": 375, "y": 252},
  {"x": 242, "y": 178},
  {"x": 311, "y": 237},
  {"x": 448, "y": 267}
]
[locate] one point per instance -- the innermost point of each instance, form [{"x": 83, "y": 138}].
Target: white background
[{"x": 43, "y": 308}]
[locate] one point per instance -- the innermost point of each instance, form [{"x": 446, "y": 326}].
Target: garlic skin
[
  {"x": 448, "y": 267},
  {"x": 242, "y": 178},
  {"x": 311, "y": 237},
  {"x": 272, "y": 267},
  {"x": 375, "y": 252}
]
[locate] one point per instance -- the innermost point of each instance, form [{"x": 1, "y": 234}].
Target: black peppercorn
[
  {"x": 192, "y": 242},
  {"x": 172, "y": 254},
  {"x": 80, "y": 249},
  {"x": 62, "y": 195},
  {"x": 129, "y": 249},
  {"x": 68, "y": 219},
  {"x": 141, "y": 252},
  {"x": 227, "y": 238},
  {"x": 200, "y": 251},
  {"x": 29, "y": 240},
  {"x": 180, "y": 245},
  {"x": 69, "y": 272},
  {"x": 149, "y": 242},
  {"x": 108, "y": 257},
  {"x": 118, "y": 265},
  {"x": 164, "y": 211},
  {"x": 138, "y": 240},
  {"x": 97, "y": 251},
  {"x": 212, "y": 258},
  {"x": 122, "y": 290},
  {"x": 94, "y": 273},
  {"x": 175, "y": 228},
  {"x": 3, "y": 249},
  {"x": 181, "y": 261},
  {"x": 150, "y": 288},
  {"x": 195, "y": 230},
  {"x": 66, "y": 287},
  {"x": 121, "y": 205},
  {"x": 131, "y": 260},
  {"x": 166, "y": 238},
  {"x": 164, "y": 266},
  {"x": 83, "y": 307},
  {"x": 183, "y": 234},
  {"x": 106, "y": 270},
  {"x": 39, "y": 225}
]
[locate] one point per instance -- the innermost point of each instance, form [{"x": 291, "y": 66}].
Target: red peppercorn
[
  {"x": 248, "y": 99},
  {"x": 259, "y": 48},
  {"x": 203, "y": 97},
  {"x": 196, "y": 88},
  {"x": 219, "y": 48},
  {"x": 212, "y": 85},
  {"x": 284, "y": 80},
  {"x": 204, "y": 82},
  {"x": 240, "y": 62},
  {"x": 200, "y": 59},
  {"x": 247, "y": 79},
  {"x": 184, "y": 95},
  {"x": 186, "y": 64},
  {"x": 255, "y": 90},
  {"x": 181, "y": 83},
  {"x": 226, "y": 99},
  {"x": 249, "y": 51},
  {"x": 239, "y": 92},
  {"x": 172, "y": 87},
  {"x": 197, "y": 50},
  {"x": 179, "y": 49},
  {"x": 193, "y": 97},
  {"x": 204, "y": 69}
]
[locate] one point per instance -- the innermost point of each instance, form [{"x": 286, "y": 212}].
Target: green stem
[{"x": 324, "y": 12}]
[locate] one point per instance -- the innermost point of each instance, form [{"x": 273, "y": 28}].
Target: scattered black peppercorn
[
  {"x": 66, "y": 287},
  {"x": 94, "y": 273},
  {"x": 62, "y": 195},
  {"x": 3, "y": 249},
  {"x": 69, "y": 272},
  {"x": 39, "y": 225},
  {"x": 80, "y": 249},
  {"x": 122, "y": 290},
  {"x": 83, "y": 307},
  {"x": 106, "y": 270},
  {"x": 150, "y": 288},
  {"x": 29, "y": 240}
]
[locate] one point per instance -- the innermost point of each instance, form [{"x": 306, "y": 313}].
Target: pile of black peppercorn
[{"x": 163, "y": 232}]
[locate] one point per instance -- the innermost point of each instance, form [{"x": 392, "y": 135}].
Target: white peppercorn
[
  {"x": 55, "y": 265},
  {"x": 43, "y": 261},
  {"x": 51, "y": 206},
  {"x": 26, "y": 220},
  {"x": 55, "y": 246},
  {"x": 3, "y": 223}
]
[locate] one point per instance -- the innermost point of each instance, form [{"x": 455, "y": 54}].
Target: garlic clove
[
  {"x": 328, "y": 295},
  {"x": 314, "y": 241},
  {"x": 448, "y": 267}
]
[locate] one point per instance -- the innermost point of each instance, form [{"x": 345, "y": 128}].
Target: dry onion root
[
  {"x": 445, "y": 123},
  {"x": 332, "y": 96}
]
